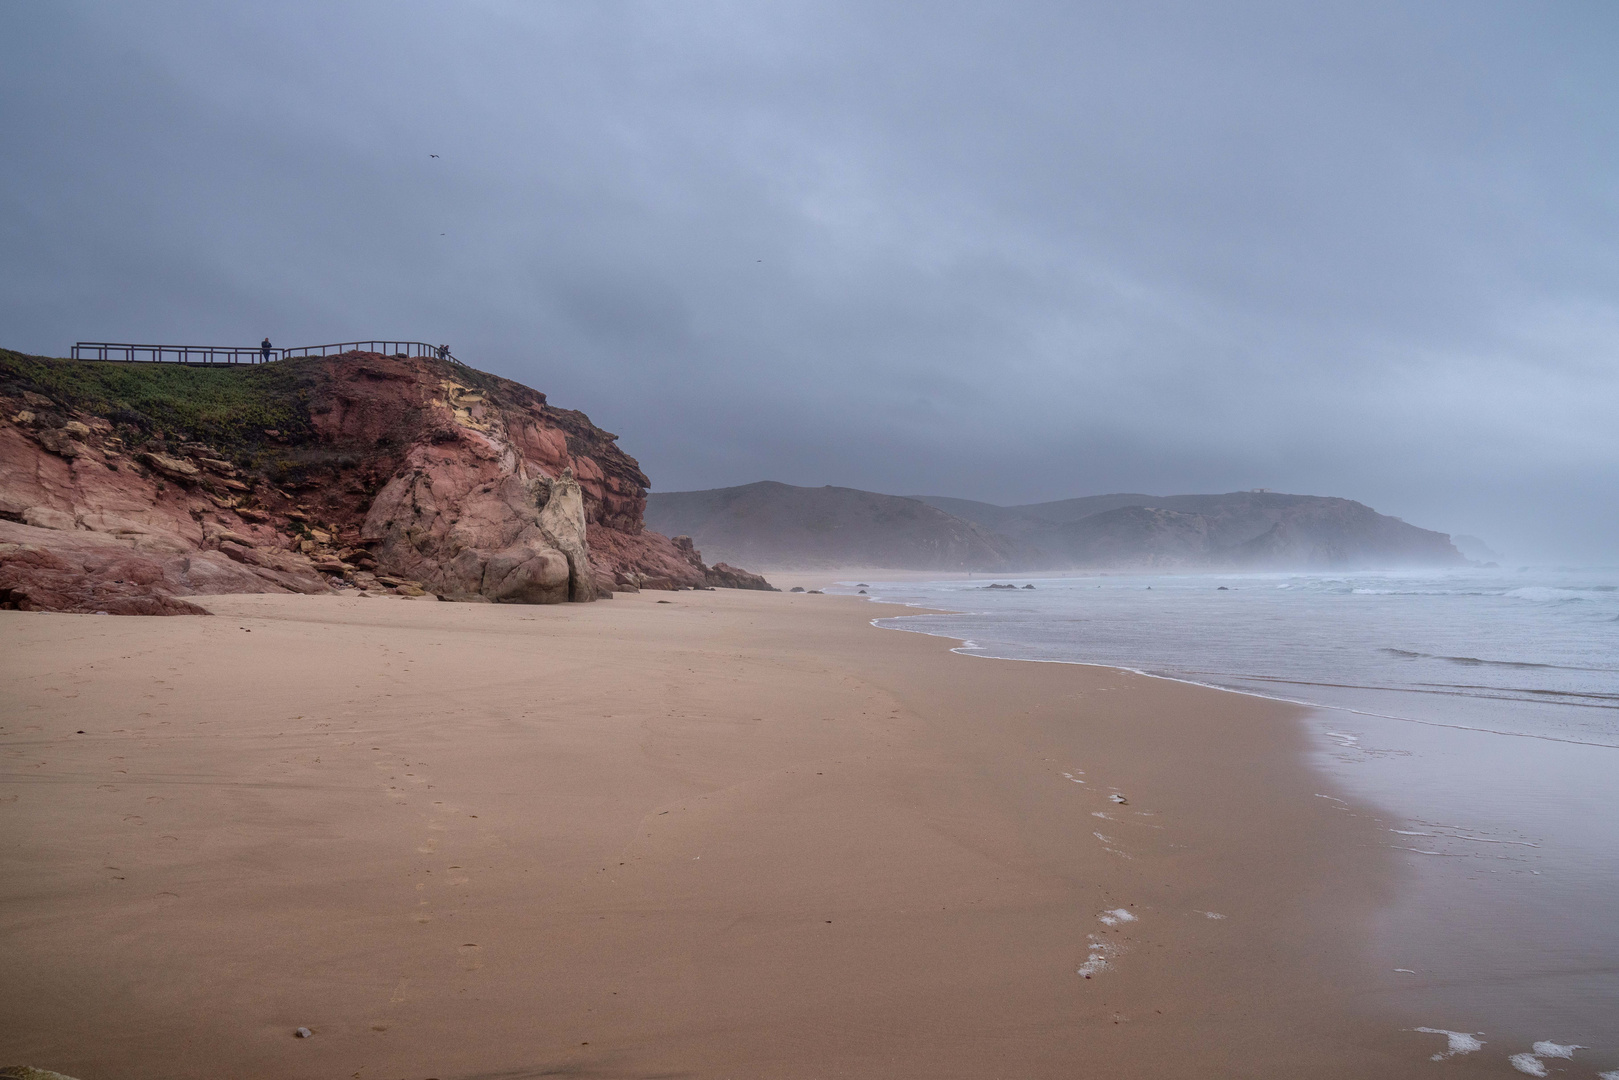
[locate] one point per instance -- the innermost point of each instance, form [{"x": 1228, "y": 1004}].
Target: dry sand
[{"x": 730, "y": 835}]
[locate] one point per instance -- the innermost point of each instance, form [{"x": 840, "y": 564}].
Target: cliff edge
[{"x": 126, "y": 487}]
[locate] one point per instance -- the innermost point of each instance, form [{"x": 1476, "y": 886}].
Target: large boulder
[
  {"x": 526, "y": 574},
  {"x": 482, "y": 523}
]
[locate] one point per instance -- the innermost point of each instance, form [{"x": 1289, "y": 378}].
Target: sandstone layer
[{"x": 124, "y": 488}]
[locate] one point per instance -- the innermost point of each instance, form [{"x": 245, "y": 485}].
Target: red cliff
[{"x": 125, "y": 487}]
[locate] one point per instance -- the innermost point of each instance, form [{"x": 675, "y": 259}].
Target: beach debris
[
  {"x": 1457, "y": 1042},
  {"x": 1116, "y": 797},
  {"x": 302, "y": 1033},
  {"x": 665, "y": 601}
]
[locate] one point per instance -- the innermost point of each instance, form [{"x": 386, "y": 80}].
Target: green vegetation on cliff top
[{"x": 230, "y": 406}]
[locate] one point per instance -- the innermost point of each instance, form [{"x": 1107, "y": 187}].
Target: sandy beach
[{"x": 708, "y": 834}]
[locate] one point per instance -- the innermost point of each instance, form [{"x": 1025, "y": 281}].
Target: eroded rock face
[
  {"x": 517, "y": 538},
  {"x": 90, "y": 531},
  {"x": 407, "y": 476}
]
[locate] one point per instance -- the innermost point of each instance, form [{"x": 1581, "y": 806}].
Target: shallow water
[{"x": 1477, "y": 709}]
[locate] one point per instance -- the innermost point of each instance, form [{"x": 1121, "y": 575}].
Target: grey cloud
[{"x": 1009, "y": 252}]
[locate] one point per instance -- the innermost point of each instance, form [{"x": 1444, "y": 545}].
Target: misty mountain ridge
[
  {"x": 818, "y": 528},
  {"x": 782, "y": 526}
]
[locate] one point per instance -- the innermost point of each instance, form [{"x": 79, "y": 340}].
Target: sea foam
[{"x": 1459, "y": 1042}]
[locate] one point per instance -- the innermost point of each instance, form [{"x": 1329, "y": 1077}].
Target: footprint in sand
[{"x": 471, "y": 957}]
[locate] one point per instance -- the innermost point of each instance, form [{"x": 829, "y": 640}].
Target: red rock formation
[
  {"x": 414, "y": 475},
  {"x": 720, "y": 575}
]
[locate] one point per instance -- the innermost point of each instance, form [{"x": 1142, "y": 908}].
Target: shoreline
[
  {"x": 692, "y": 772},
  {"x": 1471, "y": 946},
  {"x": 1314, "y": 706}
]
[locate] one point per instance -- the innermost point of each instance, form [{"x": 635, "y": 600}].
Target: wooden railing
[
  {"x": 173, "y": 354},
  {"x": 125, "y": 352}
]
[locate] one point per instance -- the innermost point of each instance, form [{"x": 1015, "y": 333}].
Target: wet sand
[{"x": 731, "y": 835}]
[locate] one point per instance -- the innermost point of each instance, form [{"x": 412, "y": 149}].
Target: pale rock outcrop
[{"x": 484, "y": 523}]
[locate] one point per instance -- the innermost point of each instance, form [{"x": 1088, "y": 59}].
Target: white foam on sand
[
  {"x": 1104, "y": 839},
  {"x": 1531, "y": 1065},
  {"x": 1115, "y": 917},
  {"x": 1071, "y": 776},
  {"x": 1556, "y": 1050},
  {"x": 1614, "y": 1075},
  {"x": 1460, "y": 1042},
  {"x": 1096, "y": 962},
  {"x": 1211, "y": 915},
  {"x": 1101, "y": 956},
  {"x": 1528, "y": 1064}
]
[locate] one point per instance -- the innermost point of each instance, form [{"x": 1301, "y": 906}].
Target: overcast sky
[{"x": 1011, "y": 252}]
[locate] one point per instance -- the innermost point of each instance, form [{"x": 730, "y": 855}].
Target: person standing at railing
[
  {"x": 443, "y": 352},
  {"x": 264, "y": 350}
]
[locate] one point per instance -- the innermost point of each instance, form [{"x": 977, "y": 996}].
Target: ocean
[{"x": 1477, "y": 712}]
